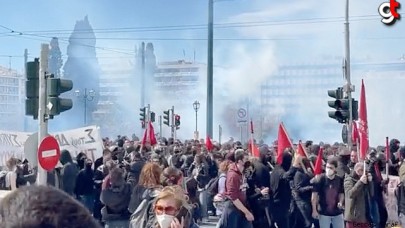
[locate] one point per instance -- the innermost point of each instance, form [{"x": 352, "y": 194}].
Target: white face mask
[
  {"x": 164, "y": 220},
  {"x": 330, "y": 173}
]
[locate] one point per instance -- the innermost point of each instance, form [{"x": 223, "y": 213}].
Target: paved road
[{"x": 212, "y": 222}]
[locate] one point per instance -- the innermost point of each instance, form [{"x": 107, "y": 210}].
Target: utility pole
[
  {"x": 347, "y": 76},
  {"x": 210, "y": 69},
  {"x": 42, "y": 118},
  {"x": 160, "y": 127},
  {"x": 143, "y": 75},
  {"x": 148, "y": 115},
  {"x": 173, "y": 125},
  {"x": 25, "y": 73}
]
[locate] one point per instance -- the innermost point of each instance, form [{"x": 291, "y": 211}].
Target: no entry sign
[{"x": 48, "y": 153}]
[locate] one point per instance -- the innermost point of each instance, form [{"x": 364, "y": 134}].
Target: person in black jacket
[
  {"x": 301, "y": 193},
  {"x": 258, "y": 192},
  {"x": 85, "y": 185},
  {"x": 116, "y": 197},
  {"x": 68, "y": 172},
  {"x": 280, "y": 188}
]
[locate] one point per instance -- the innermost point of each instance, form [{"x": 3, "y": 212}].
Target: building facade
[
  {"x": 12, "y": 100},
  {"x": 297, "y": 94},
  {"x": 179, "y": 80}
]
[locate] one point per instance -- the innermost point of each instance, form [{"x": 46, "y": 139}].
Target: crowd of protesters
[{"x": 182, "y": 184}]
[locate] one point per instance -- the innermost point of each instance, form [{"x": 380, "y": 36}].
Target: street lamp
[
  {"x": 196, "y": 106},
  {"x": 88, "y": 95}
]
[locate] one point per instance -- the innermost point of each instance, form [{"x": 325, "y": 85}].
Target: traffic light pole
[
  {"x": 173, "y": 125},
  {"x": 347, "y": 76},
  {"x": 160, "y": 126},
  {"x": 42, "y": 118}
]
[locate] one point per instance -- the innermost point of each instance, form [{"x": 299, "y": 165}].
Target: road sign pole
[{"x": 43, "y": 121}]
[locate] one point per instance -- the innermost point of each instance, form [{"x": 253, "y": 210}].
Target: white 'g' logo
[{"x": 385, "y": 12}]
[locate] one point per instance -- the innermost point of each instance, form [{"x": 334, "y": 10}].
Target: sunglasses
[{"x": 165, "y": 210}]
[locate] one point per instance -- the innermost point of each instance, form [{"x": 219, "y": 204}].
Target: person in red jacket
[{"x": 235, "y": 212}]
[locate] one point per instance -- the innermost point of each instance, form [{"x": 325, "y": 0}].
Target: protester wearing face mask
[
  {"x": 235, "y": 212},
  {"x": 172, "y": 210},
  {"x": 358, "y": 191},
  {"x": 85, "y": 185},
  {"x": 328, "y": 197}
]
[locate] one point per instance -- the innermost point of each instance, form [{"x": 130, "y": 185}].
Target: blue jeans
[
  {"x": 88, "y": 202},
  {"x": 337, "y": 221},
  {"x": 232, "y": 217},
  {"x": 203, "y": 197},
  {"x": 117, "y": 224}
]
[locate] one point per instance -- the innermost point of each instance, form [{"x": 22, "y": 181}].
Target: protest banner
[
  {"x": 12, "y": 145},
  {"x": 86, "y": 140},
  {"x": 391, "y": 201}
]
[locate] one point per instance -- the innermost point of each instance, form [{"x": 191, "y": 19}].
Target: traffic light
[
  {"x": 142, "y": 114},
  {"x": 55, "y": 87},
  {"x": 152, "y": 117},
  {"x": 177, "y": 120},
  {"x": 166, "y": 117},
  {"x": 341, "y": 104},
  {"x": 32, "y": 89}
]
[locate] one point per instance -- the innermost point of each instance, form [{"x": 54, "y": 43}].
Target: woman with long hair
[
  {"x": 11, "y": 176},
  {"x": 149, "y": 180},
  {"x": 172, "y": 209}
]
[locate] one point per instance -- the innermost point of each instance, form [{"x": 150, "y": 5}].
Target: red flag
[
  {"x": 149, "y": 135},
  {"x": 301, "y": 150},
  {"x": 208, "y": 144},
  {"x": 283, "y": 143},
  {"x": 363, "y": 125},
  {"x": 255, "y": 151},
  {"x": 152, "y": 137},
  {"x": 318, "y": 163},
  {"x": 355, "y": 133}
]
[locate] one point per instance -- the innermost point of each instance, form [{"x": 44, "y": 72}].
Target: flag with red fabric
[
  {"x": 355, "y": 133},
  {"x": 283, "y": 142},
  {"x": 363, "y": 124},
  {"x": 301, "y": 150},
  {"x": 149, "y": 135},
  {"x": 318, "y": 163},
  {"x": 209, "y": 144}
]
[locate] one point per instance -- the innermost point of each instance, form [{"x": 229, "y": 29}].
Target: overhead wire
[{"x": 45, "y": 35}]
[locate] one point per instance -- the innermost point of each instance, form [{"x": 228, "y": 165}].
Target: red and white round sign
[{"x": 48, "y": 153}]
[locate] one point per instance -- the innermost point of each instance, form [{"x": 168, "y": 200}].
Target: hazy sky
[
  {"x": 296, "y": 29},
  {"x": 252, "y": 37}
]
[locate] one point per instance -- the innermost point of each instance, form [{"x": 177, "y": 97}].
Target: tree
[{"x": 55, "y": 58}]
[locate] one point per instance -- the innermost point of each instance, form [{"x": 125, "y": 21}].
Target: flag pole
[
  {"x": 251, "y": 137},
  {"x": 387, "y": 156}
]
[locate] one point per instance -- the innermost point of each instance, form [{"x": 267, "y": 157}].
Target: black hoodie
[
  {"x": 280, "y": 185},
  {"x": 69, "y": 172}
]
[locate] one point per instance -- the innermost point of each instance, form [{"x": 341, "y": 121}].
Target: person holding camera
[{"x": 357, "y": 197}]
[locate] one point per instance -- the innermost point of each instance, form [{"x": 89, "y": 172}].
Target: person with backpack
[
  {"x": 217, "y": 189},
  {"x": 149, "y": 180},
  {"x": 115, "y": 196}
]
